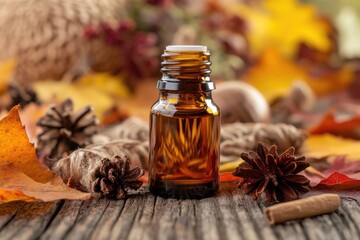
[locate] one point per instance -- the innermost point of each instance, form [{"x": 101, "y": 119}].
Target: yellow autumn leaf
[
  {"x": 97, "y": 89},
  {"x": 283, "y": 24},
  {"x": 326, "y": 145},
  {"x": 113, "y": 85},
  {"x": 230, "y": 166},
  {"x": 6, "y": 69},
  {"x": 273, "y": 75}
]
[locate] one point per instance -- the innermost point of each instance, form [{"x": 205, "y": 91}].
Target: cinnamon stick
[{"x": 302, "y": 208}]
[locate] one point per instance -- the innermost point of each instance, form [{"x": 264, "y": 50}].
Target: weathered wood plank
[
  {"x": 143, "y": 226},
  {"x": 247, "y": 228},
  {"x": 229, "y": 215},
  {"x": 90, "y": 213},
  {"x": 186, "y": 224},
  {"x": 255, "y": 211},
  {"x": 8, "y": 212},
  {"x": 63, "y": 221},
  {"x": 350, "y": 210},
  {"x": 102, "y": 230},
  {"x": 290, "y": 231},
  {"x": 30, "y": 221}
]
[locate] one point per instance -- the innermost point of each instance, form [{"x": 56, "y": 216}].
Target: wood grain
[{"x": 229, "y": 215}]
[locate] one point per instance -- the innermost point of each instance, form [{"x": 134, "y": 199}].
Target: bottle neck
[
  {"x": 184, "y": 97},
  {"x": 186, "y": 71}
]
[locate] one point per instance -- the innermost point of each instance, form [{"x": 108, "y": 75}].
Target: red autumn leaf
[
  {"x": 145, "y": 178},
  {"x": 228, "y": 177},
  {"x": 340, "y": 175},
  {"x": 345, "y": 128},
  {"x": 338, "y": 180}
]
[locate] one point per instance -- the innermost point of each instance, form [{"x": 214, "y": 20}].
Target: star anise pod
[
  {"x": 64, "y": 131},
  {"x": 114, "y": 177},
  {"x": 276, "y": 175}
]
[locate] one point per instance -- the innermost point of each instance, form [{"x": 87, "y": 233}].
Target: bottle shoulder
[{"x": 169, "y": 108}]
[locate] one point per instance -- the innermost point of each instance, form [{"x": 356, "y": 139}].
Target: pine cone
[
  {"x": 65, "y": 131},
  {"x": 21, "y": 95},
  {"x": 276, "y": 175},
  {"x": 114, "y": 176}
]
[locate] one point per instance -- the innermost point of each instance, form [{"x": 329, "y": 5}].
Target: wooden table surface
[{"x": 229, "y": 215}]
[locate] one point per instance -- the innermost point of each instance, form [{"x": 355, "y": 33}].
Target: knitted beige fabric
[
  {"x": 236, "y": 138},
  {"x": 46, "y": 37}
]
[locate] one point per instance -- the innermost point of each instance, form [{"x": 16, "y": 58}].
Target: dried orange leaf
[
  {"x": 53, "y": 190},
  {"x": 17, "y": 151},
  {"x": 328, "y": 145},
  {"x": 22, "y": 177},
  {"x": 14, "y": 195}
]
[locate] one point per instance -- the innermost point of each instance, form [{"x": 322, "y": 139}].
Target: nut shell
[{"x": 240, "y": 102}]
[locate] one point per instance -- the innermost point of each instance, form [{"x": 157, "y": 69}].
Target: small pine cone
[
  {"x": 64, "y": 131},
  {"x": 114, "y": 176},
  {"x": 21, "y": 95},
  {"x": 276, "y": 175},
  {"x": 97, "y": 172}
]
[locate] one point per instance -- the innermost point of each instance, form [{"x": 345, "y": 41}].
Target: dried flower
[
  {"x": 64, "y": 130},
  {"x": 276, "y": 175},
  {"x": 139, "y": 47},
  {"x": 114, "y": 176}
]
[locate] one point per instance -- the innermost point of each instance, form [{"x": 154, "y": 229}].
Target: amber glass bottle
[{"x": 184, "y": 127}]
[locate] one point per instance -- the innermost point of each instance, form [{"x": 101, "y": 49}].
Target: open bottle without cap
[{"x": 184, "y": 127}]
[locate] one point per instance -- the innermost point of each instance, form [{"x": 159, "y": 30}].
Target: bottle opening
[
  {"x": 195, "y": 48},
  {"x": 186, "y": 68}
]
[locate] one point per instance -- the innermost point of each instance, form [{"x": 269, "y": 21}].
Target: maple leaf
[
  {"x": 283, "y": 24},
  {"x": 22, "y": 177}
]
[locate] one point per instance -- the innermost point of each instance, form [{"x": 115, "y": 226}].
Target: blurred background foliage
[{"x": 269, "y": 44}]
